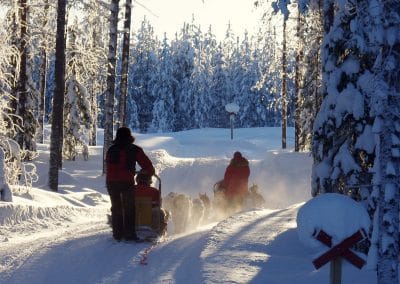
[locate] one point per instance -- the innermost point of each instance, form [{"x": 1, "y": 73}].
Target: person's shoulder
[
  {"x": 112, "y": 147},
  {"x": 134, "y": 148}
]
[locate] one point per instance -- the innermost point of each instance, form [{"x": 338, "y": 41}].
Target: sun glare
[{"x": 169, "y": 16}]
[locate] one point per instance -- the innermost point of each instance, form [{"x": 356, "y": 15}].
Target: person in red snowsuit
[
  {"x": 121, "y": 159},
  {"x": 236, "y": 178},
  {"x": 144, "y": 189}
]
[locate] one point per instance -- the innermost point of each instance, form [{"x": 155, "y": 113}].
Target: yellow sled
[{"x": 150, "y": 221}]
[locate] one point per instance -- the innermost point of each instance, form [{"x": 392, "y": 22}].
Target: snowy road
[
  {"x": 250, "y": 247},
  {"x": 85, "y": 253}
]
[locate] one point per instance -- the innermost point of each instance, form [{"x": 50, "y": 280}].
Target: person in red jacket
[
  {"x": 144, "y": 189},
  {"x": 235, "y": 182},
  {"x": 121, "y": 159}
]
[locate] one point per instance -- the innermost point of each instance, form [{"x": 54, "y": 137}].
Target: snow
[
  {"x": 232, "y": 108},
  {"x": 337, "y": 215},
  {"x": 63, "y": 237}
]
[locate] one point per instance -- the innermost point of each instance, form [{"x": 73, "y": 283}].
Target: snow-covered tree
[
  {"x": 247, "y": 96},
  {"x": 310, "y": 80},
  {"x": 202, "y": 78},
  {"x": 163, "y": 87},
  {"x": 183, "y": 54},
  {"x": 93, "y": 38},
  {"x": 143, "y": 68},
  {"x": 341, "y": 159},
  {"x": 218, "y": 94},
  {"x": 382, "y": 24},
  {"x": 77, "y": 106}
]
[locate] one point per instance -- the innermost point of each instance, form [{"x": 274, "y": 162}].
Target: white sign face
[{"x": 232, "y": 108}]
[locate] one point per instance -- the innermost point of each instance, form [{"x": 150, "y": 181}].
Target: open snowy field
[{"x": 63, "y": 237}]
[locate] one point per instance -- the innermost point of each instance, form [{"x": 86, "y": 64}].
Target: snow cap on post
[
  {"x": 336, "y": 214},
  {"x": 232, "y": 108}
]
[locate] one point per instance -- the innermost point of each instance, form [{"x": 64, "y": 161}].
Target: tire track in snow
[
  {"x": 19, "y": 252},
  {"x": 240, "y": 242}
]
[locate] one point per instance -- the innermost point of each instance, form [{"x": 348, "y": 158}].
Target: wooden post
[
  {"x": 231, "y": 117},
  {"x": 335, "y": 276}
]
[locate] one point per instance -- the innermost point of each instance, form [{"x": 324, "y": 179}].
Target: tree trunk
[
  {"x": 109, "y": 103},
  {"x": 125, "y": 65},
  {"x": 298, "y": 80},
  {"x": 23, "y": 78},
  {"x": 284, "y": 89},
  {"x": 93, "y": 126},
  {"x": 93, "y": 104},
  {"x": 58, "y": 98},
  {"x": 42, "y": 80},
  {"x": 14, "y": 72}
]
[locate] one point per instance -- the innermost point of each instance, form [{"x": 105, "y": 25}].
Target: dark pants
[{"x": 122, "y": 213}]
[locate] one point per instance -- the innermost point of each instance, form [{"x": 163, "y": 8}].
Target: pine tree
[
  {"x": 384, "y": 89},
  {"x": 77, "y": 106},
  {"x": 342, "y": 161},
  {"x": 310, "y": 73},
  {"x": 202, "y": 84},
  {"x": 163, "y": 115},
  {"x": 145, "y": 58},
  {"x": 219, "y": 96},
  {"x": 183, "y": 53}
]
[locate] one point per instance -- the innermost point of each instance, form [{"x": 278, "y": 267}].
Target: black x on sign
[{"x": 340, "y": 250}]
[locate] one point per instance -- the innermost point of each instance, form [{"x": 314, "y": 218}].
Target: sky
[
  {"x": 63, "y": 237},
  {"x": 169, "y": 16}
]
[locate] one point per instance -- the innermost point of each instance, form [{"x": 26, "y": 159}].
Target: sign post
[
  {"x": 337, "y": 252},
  {"x": 232, "y": 110}
]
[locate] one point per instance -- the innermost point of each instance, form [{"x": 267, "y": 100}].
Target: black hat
[{"x": 124, "y": 136}]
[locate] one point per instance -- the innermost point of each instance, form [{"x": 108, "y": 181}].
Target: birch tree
[
  {"x": 112, "y": 59},
  {"x": 125, "y": 64}
]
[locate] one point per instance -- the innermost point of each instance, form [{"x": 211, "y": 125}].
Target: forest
[{"x": 328, "y": 68}]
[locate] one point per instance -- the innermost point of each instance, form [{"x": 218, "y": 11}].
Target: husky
[
  {"x": 197, "y": 214},
  {"x": 179, "y": 205},
  {"x": 85, "y": 152},
  {"x": 255, "y": 198},
  {"x": 207, "y": 207}
]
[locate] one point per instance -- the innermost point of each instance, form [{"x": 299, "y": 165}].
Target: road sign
[{"x": 340, "y": 250}]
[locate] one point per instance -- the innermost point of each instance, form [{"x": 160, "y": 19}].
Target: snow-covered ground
[{"x": 63, "y": 237}]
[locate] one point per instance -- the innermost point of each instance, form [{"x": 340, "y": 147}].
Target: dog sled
[
  {"x": 225, "y": 207},
  {"x": 150, "y": 218}
]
